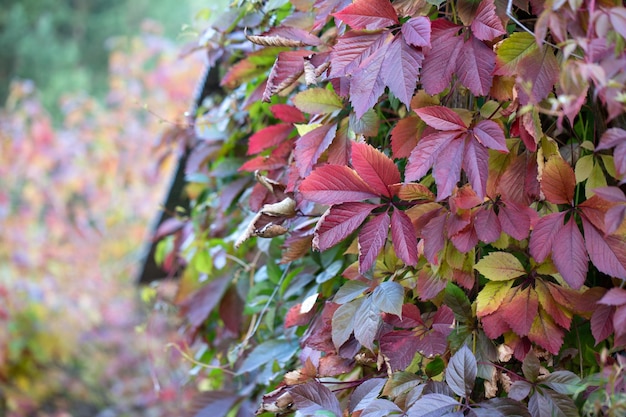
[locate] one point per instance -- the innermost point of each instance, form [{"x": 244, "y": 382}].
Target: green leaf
[
  {"x": 584, "y": 165},
  {"x": 596, "y": 180},
  {"x": 455, "y": 298},
  {"x": 512, "y": 50},
  {"x": 461, "y": 372},
  {"x": 500, "y": 266},
  {"x": 435, "y": 367},
  {"x": 389, "y": 297},
  {"x": 318, "y": 101},
  {"x": 530, "y": 367}
]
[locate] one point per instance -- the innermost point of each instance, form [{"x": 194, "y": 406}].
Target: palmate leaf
[
  {"x": 447, "y": 168},
  {"x": 475, "y": 66},
  {"x": 546, "y": 333},
  {"x": 492, "y": 295},
  {"x": 543, "y": 234},
  {"x": 608, "y": 253},
  {"x": 399, "y": 347},
  {"x": 311, "y": 145},
  {"x": 367, "y": 83},
  {"x": 368, "y": 14},
  {"x": 615, "y": 138},
  {"x": 519, "y": 309},
  {"x": 550, "y": 403},
  {"x": 375, "y": 168},
  {"x": 268, "y": 137},
  {"x": 335, "y": 184},
  {"x": 372, "y": 238},
  {"x": 401, "y": 68},
  {"x": 538, "y": 72},
  {"x": 352, "y": 48},
  {"x": 339, "y": 222}
]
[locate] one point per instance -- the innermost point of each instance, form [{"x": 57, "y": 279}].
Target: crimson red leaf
[
  {"x": 416, "y": 31},
  {"x": 400, "y": 69},
  {"x": 441, "y": 118},
  {"x": 447, "y": 168},
  {"x": 602, "y": 322},
  {"x": 546, "y": 333},
  {"x": 543, "y": 234},
  {"x": 375, "y": 168},
  {"x": 486, "y": 24},
  {"x": 311, "y": 146},
  {"x": 441, "y": 60},
  {"x": 335, "y": 184},
  {"x": 404, "y": 136},
  {"x": 289, "y": 66},
  {"x": 608, "y": 253},
  {"x": 404, "y": 238},
  {"x": 558, "y": 181},
  {"x": 475, "y": 66},
  {"x": 287, "y": 113},
  {"x": 494, "y": 326},
  {"x": 351, "y": 49},
  {"x": 339, "y": 151},
  {"x": 538, "y": 71},
  {"x": 519, "y": 309},
  {"x": 367, "y": 82},
  {"x": 569, "y": 254},
  {"x": 425, "y": 153},
  {"x": 268, "y": 137},
  {"x": 399, "y": 347},
  {"x": 277, "y": 159},
  {"x": 339, "y": 222},
  {"x": 476, "y": 166},
  {"x": 490, "y": 135},
  {"x": 368, "y": 14},
  {"x": 372, "y": 238},
  {"x": 434, "y": 238}
]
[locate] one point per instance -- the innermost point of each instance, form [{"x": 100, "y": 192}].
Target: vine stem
[{"x": 195, "y": 362}]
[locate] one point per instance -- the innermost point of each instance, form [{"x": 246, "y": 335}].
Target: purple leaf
[
  {"x": 313, "y": 396},
  {"x": 367, "y": 320},
  {"x": 427, "y": 150},
  {"x": 368, "y": 14},
  {"x": 365, "y": 393},
  {"x": 490, "y": 135},
  {"x": 540, "y": 71},
  {"x": 311, "y": 146},
  {"x": 401, "y": 67},
  {"x": 441, "y": 118},
  {"x": 486, "y": 24},
  {"x": 543, "y": 234},
  {"x": 372, "y": 238},
  {"x": 374, "y": 167},
  {"x": 367, "y": 83},
  {"x": 608, "y": 253},
  {"x": 476, "y": 166},
  {"x": 447, "y": 168},
  {"x": 569, "y": 254},
  {"x": 339, "y": 222},
  {"x": 461, "y": 372},
  {"x": 403, "y": 237},
  {"x": 399, "y": 346},
  {"x": 351, "y": 49},
  {"x": 416, "y": 31},
  {"x": 475, "y": 66},
  {"x": 441, "y": 60}
]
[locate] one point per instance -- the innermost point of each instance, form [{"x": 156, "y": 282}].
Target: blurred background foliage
[{"x": 94, "y": 92}]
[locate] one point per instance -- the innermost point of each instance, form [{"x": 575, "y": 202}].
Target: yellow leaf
[
  {"x": 596, "y": 180},
  {"x": 583, "y": 168},
  {"x": 491, "y": 296},
  {"x": 500, "y": 266}
]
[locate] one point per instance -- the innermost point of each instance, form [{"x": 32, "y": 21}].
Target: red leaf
[
  {"x": 425, "y": 153},
  {"x": 429, "y": 285},
  {"x": 486, "y": 24},
  {"x": 416, "y": 31},
  {"x": 399, "y": 347},
  {"x": 367, "y": 82},
  {"x": 335, "y": 184},
  {"x": 374, "y": 167},
  {"x": 368, "y": 14},
  {"x": 494, "y": 326},
  {"x": 569, "y": 254},
  {"x": 538, "y": 72},
  {"x": 351, "y": 49},
  {"x": 403, "y": 237},
  {"x": 434, "y": 238},
  {"x": 602, "y": 322},
  {"x": 487, "y": 226},
  {"x": 339, "y": 151},
  {"x": 558, "y": 181},
  {"x": 401, "y": 67},
  {"x": 339, "y": 222},
  {"x": 441, "y": 60},
  {"x": 543, "y": 234},
  {"x": 295, "y": 317},
  {"x": 311, "y": 146},
  {"x": 546, "y": 333},
  {"x": 289, "y": 66},
  {"x": 476, "y": 166},
  {"x": 447, "y": 168},
  {"x": 475, "y": 66},
  {"x": 514, "y": 220},
  {"x": 287, "y": 113},
  {"x": 608, "y": 253},
  {"x": 465, "y": 240},
  {"x": 277, "y": 159},
  {"x": 372, "y": 238},
  {"x": 519, "y": 310},
  {"x": 490, "y": 135},
  {"x": 441, "y": 118},
  {"x": 268, "y": 137},
  {"x": 404, "y": 136}
]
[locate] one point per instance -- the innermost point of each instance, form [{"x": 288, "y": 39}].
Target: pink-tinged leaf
[
  {"x": 429, "y": 285},
  {"x": 612, "y": 194},
  {"x": 569, "y": 254},
  {"x": 441, "y": 60},
  {"x": 268, "y": 137},
  {"x": 602, "y": 322},
  {"x": 538, "y": 72},
  {"x": 608, "y": 253},
  {"x": 475, "y": 66},
  {"x": 434, "y": 238},
  {"x": 372, "y": 238},
  {"x": 619, "y": 324},
  {"x": 494, "y": 326},
  {"x": 519, "y": 182},
  {"x": 558, "y": 181},
  {"x": 339, "y": 222},
  {"x": 289, "y": 66},
  {"x": 340, "y": 150},
  {"x": 335, "y": 184},
  {"x": 368, "y": 14},
  {"x": 367, "y": 320},
  {"x": 411, "y": 192},
  {"x": 351, "y": 49},
  {"x": 404, "y": 136},
  {"x": 432, "y": 343},
  {"x": 287, "y": 113},
  {"x": 447, "y": 168},
  {"x": 490, "y": 135},
  {"x": 310, "y": 147},
  {"x": 198, "y": 307},
  {"x": 486, "y": 24},
  {"x": 611, "y": 138},
  {"x": 399, "y": 347},
  {"x": 514, "y": 220},
  {"x": 401, "y": 68},
  {"x": 465, "y": 240},
  {"x": 614, "y": 297},
  {"x": 365, "y": 394},
  {"x": 416, "y": 31},
  {"x": 441, "y": 118},
  {"x": 487, "y": 226},
  {"x": 427, "y": 150},
  {"x": 617, "y": 16},
  {"x": 476, "y": 166},
  {"x": 403, "y": 237},
  {"x": 367, "y": 83},
  {"x": 374, "y": 167},
  {"x": 543, "y": 234},
  {"x": 277, "y": 159},
  {"x": 313, "y": 396},
  {"x": 546, "y": 333}
]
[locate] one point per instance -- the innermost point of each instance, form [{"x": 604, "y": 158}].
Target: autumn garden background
[{"x": 408, "y": 207}]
